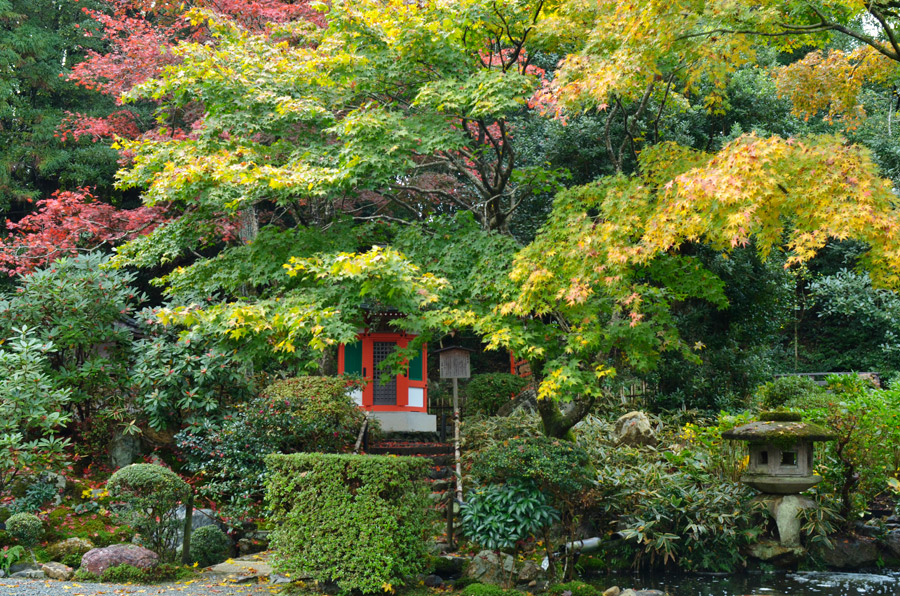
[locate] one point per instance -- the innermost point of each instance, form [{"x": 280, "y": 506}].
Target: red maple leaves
[{"x": 67, "y": 223}]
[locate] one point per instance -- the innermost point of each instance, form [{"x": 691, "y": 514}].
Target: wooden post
[
  {"x": 188, "y": 528},
  {"x": 459, "y": 488}
]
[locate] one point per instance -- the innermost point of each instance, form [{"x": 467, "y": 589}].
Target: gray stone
[
  {"x": 58, "y": 571},
  {"x": 487, "y": 568},
  {"x": 531, "y": 571},
  {"x": 649, "y": 593},
  {"x": 433, "y": 581},
  {"x": 628, "y": 592},
  {"x": 634, "y": 429},
  {"x": 124, "y": 450},
  {"x": 29, "y": 574},
  {"x": 849, "y": 553},
  {"x": 892, "y": 542},
  {"x": 613, "y": 591},
  {"x": 22, "y": 567},
  {"x": 99, "y": 560}
]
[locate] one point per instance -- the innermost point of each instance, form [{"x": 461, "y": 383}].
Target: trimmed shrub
[
  {"x": 291, "y": 416},
  {"x": 360, "y": 521},
  {"x": 209, "y": 546},
  {"x": 150, "y": 495},
  {"x": 487, "y": 393},
  {"x": 26, "y": 528}
]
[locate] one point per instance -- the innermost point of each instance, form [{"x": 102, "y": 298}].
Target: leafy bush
[
  {"x": 9, "y": 556},
  {"x": 209, "y": 546},
  {"x": 866, "y": 451},
  {"x": 36, "y": 496},
  {"x": 150, "y": 494},
  {"x": 79, "y": 307},
  {"x": 786, "y": 391},
  {"x": 558, "y": 467},
  {"x": 26, "y": 528},
  {"x": 487, "y": 393},
  {"x": 575, "y": 588},
  {"x": 499, "y": 516},
  {"x": 293, "y": 415},
  {"x": 30, "y": 409},
  {"x": 360, "y": 521},
  {"x": 184, "y": 377},
  {"x": 674, "y": 508}
]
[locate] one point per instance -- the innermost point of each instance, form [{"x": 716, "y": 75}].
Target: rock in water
[
  {"x": 100, "y": 559},
  {"x": 634, "y": 429}
]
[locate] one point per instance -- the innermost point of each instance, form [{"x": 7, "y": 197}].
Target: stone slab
[{"x": 417, "y": 422}]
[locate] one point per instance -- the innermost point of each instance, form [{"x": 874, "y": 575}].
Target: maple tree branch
[
  {"x": 662, "y": 105},
  {"x": 383, "y": 217},
  {"x": 887, "y": 29},
  {"x": 609, "y": 148},
  {"x": 394, "y": 198},
  {"x": 437, "y": 192}
]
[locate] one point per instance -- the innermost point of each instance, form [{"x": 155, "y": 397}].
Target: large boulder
[
  {"x": 850, "y": 553},
  {"x": 892, "y": 543},
  {"x": 99, "y": 560},
  {"x": 634, "y": 429}
]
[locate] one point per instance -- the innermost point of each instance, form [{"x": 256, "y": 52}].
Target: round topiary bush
[
  {"x": 150, "y": 495},
  {"x": 26, "y": 528},
  {"x": 209, "y": 546}
]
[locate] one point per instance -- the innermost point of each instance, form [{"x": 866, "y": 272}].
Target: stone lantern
[
  {"x": 781, "y": 452},
  {"x": 780, "y": 466}
]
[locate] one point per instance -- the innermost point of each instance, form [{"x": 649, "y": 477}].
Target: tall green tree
[{"x": 39, "y": 42}]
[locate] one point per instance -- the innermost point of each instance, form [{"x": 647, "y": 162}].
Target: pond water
[{"x": 812, "y": 583}]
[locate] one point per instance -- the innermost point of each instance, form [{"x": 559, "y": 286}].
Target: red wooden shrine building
[{"x": 399, "y": 402}]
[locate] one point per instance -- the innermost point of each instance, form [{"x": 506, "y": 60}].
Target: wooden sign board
[{"x": 455, "y": 363}]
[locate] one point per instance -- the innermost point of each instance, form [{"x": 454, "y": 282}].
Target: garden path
[{"x": 195, "y": 587}]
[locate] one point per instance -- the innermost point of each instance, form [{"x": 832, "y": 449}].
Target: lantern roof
[{"x": 786, "y": 427}]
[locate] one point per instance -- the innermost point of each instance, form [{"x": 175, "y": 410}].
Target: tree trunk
[{"x": 559, "y": 425}]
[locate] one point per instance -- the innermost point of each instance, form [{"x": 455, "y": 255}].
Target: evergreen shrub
[
  {"x": 290, "y": 416},
  {"x": 487, "y": 393},
  {"x": 150, "y": 495},
  {"x": 362, "y": 522},
  {"x": 26, "y": 528},
  {"x": 209, "y": 546}
]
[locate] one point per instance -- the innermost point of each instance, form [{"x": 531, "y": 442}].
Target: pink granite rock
[{"x": 99, "y": 560}]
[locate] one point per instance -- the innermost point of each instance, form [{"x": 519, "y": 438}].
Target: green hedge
[{"x": 360, "y": 521}]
